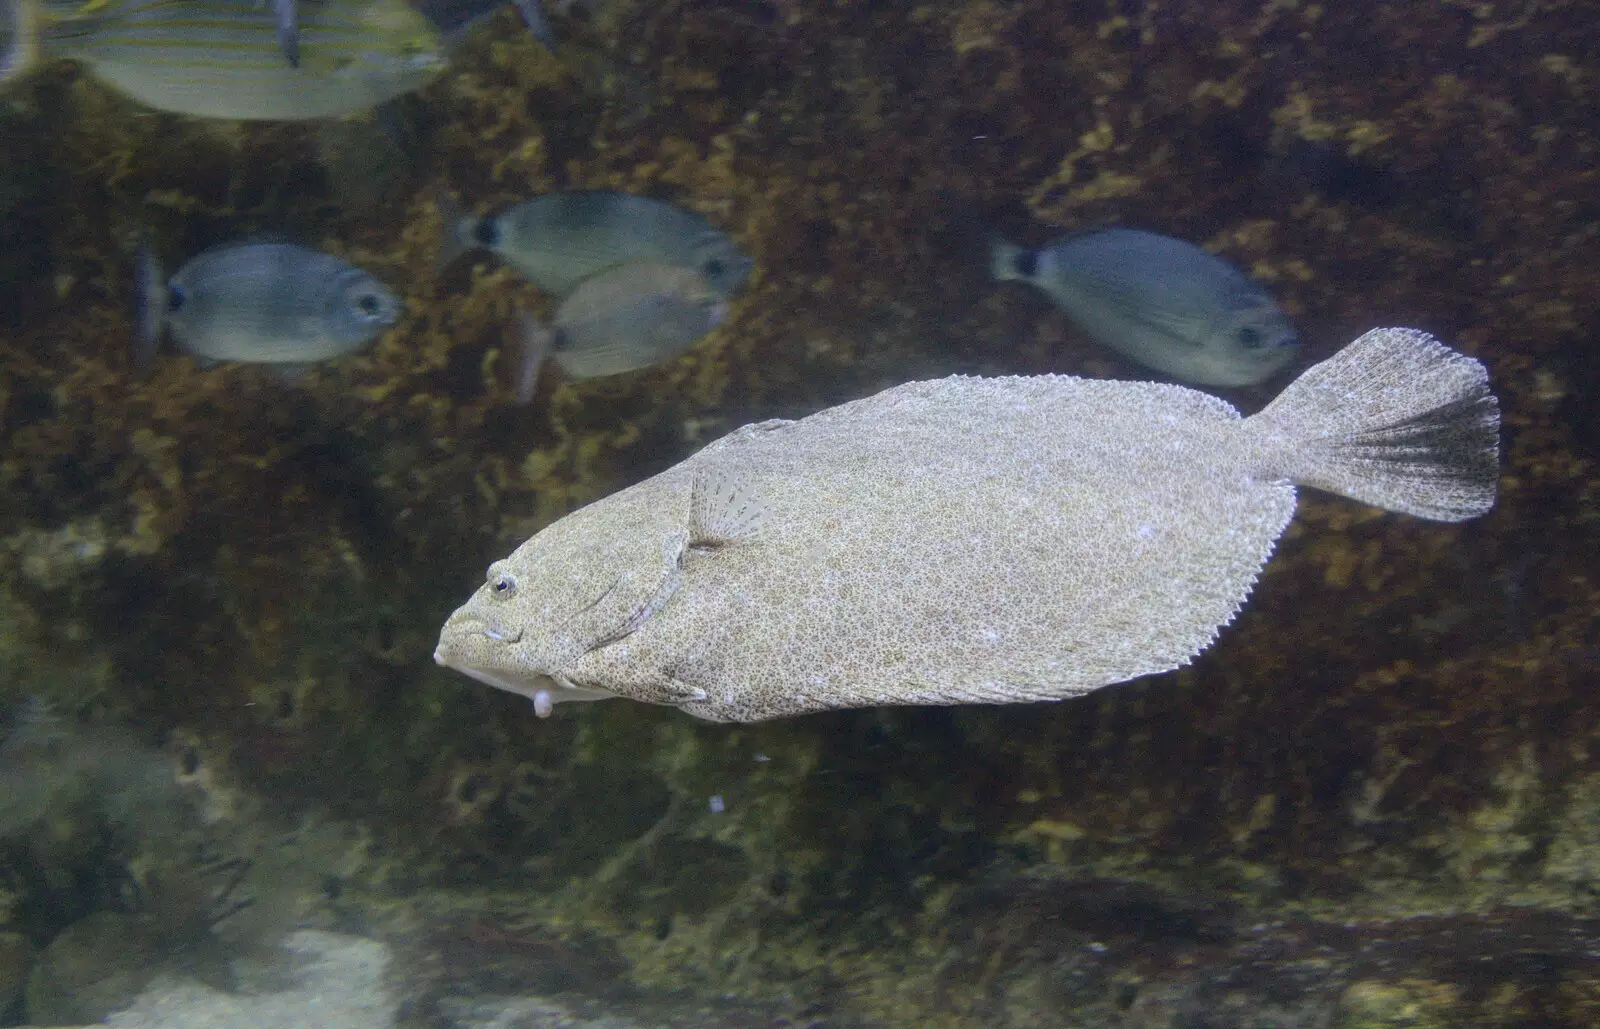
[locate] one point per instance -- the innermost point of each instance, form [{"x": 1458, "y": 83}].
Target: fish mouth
[
  {"x": 543, "y": 689},
  {"x": 463, "y": 645},
  {"x": 477, "y": 625}
]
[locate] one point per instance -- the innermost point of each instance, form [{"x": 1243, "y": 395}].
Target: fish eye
[
  {"x": 503, "y": 587},
  {"x": 176, "y": 298},
  {"x": 369, "y": 304},
  {"x": 487, "y": 233},
  {"x": 715, "y": 267},
  {"x": 1027, "y": 264},
  {"x": 1249, "y": 336}
]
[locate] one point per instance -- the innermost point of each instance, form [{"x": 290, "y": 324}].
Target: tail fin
[
  {"x": 455, "y": 230},
  {"x": 21, "y": 54},
  {"x": 150, "y": 306},
  {"x": 1003, "y": 256},
  {"x": 1395, "y": 419},
  {"x": 536, "y": 341}
]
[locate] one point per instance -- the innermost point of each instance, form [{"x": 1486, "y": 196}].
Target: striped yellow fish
[{"x": 225, "y": 58}]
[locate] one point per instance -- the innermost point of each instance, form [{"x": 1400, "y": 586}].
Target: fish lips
[
  {"x": 475, "y": 647},
  {"x": 491, "y": 655}
]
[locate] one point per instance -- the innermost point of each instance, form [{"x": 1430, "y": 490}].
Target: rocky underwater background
[{"x": 1374, "y": 803}]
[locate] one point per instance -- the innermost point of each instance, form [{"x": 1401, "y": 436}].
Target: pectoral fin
[
  {"x": 724, "y": 508},
  {"x": 680, "y": 692}
]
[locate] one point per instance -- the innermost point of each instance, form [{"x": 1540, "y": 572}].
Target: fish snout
[{"x": 466, "y": 634}]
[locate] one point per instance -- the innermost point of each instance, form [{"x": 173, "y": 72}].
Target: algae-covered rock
[
  {"x": 16, "y": 956},
  {"x": 95, "y": 966},
  {"x": 1408, "y": 1004}
]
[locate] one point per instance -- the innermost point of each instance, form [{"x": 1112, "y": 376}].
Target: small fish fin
[
  {"x": 535, "y": 340},
  {"x": 1396, "y": 419},
  {"x": 455, "y": 230},
  {"x": 724, "y": 508},
  {"x": 149, "y": 304},
  {"x": 680, "y": 692},
  {"x": 288, "y": 14},
  {"x": 22, "y": 52},
  {"x": 538, "y": 22},
  {"x": 1003, "y": 256}
]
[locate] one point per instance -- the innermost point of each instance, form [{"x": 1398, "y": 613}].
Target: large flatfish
[{"x": 965, "y": 540}]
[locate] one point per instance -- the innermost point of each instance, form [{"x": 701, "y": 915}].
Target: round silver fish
[
  {"x": 275, "y": 303},
  {"x": 559, "y": 239},
  {"x": 624, "y": 318},
  {"x": 1161, "y": 301}
]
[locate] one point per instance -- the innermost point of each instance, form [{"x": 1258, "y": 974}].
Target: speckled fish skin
[
  {"x": 232, "y": 59},
  {"x": 965, "y": 539},
  {"x": 1163, "y": 302},
  {"x": 559, "y": 239},
  {"x": 274, "y": 303}
]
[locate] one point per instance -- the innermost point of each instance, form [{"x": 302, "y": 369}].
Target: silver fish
[
  {"x": 559, "y": 239},
  {"x": 619, "y": 320},
  {"x": 965, "y": 540},
  {"x": 223, "y": 59},
  {"x": 1165, "y": 303},
  {"x": 272, "y": 303}
]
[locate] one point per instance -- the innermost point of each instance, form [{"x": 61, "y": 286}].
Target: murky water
[{"x": 237, "y": 789}]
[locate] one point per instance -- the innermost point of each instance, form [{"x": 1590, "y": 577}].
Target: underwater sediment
[{"x": 1375, "y": 802}]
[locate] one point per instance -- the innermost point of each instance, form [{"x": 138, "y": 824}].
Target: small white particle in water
[
  {"x": 1098, "y": 948},
  {"x": 716, "y": 805},
  {"x": 761, "y": 758}
]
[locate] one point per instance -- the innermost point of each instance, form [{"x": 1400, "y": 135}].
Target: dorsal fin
[{"x": 723, "y": 508}]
